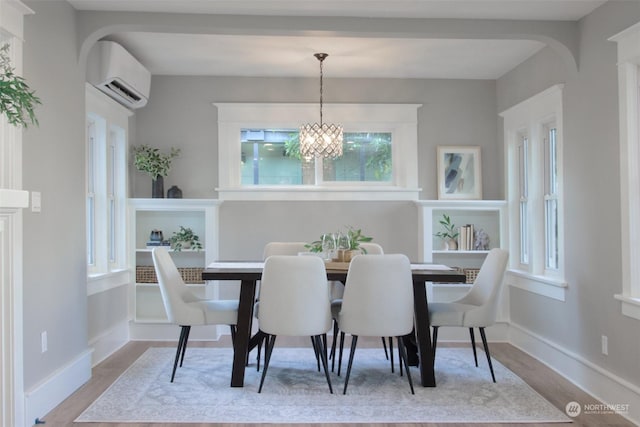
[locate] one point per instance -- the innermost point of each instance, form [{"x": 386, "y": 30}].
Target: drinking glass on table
[
  {"x": 343, "y": 245},
  {"x": 328, "y": 246}
]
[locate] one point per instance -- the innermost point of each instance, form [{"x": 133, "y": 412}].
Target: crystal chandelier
[{"x": 321, "y": 140}]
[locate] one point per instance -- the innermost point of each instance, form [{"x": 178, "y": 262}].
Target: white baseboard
[
  {"x": 42, "y": 398},
  {"x": 109, "y": 342},
  {"x": 598, "y": 382}
]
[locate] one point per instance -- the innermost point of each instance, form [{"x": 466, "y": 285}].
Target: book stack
[
  {"x": 153, "y": 243},
  {"x": 465, "y": 238}
]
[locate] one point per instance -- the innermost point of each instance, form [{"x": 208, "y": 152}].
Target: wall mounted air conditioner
[{"x": 117, "y": 73}]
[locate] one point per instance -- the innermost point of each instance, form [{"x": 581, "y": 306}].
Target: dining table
[{"x": 250, "y": 272}]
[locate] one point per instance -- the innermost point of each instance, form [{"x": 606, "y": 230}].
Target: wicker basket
[
  {"x": 471, "y": 274},
  {"x": 147, "y": 274}
]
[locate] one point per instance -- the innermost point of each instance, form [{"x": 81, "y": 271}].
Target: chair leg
[
  {"x": 391, "y": 353},
  {"x": 184, "y": 343},
  {"x": 400, "y": 356},
  {"x": 354, "y": 342},
  {"x": 340, "y": 355},
  {"x": 332, "y": 356},
  {"x": 234, "y": 329},
  {"x": 322, "y": 346},
  {"x": 316, "y": 350},
  {"x": 384, "y": 345},
  {"x": 258, "y": 356},
  {"x": 473, "y": 345},
  {"x": 267, "y": 358},
  {"x": 403, "y": 359},
  {"x": 435, "y": 341},
  {"x": 178, "y": 351},
  {"x": 486, "y": 350}
]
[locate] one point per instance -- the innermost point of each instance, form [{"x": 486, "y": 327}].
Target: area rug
[{"x": 295, "y": 392}]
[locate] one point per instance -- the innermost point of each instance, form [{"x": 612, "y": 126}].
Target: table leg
[
  {"x": 423, "y": 334},
  {"x": 243, "y": 333}
]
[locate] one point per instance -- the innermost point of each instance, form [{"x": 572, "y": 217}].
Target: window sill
[
  {"x": 97, "y": 283},
  {"x": 542, "y": 285},
  {"x": 308, "y": 193},
  {"x": 630, "y": 305}
]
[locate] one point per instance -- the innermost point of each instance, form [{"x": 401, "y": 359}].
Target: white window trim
[
  {"x": 400, "y": 119},
  {"x": 628, "y": 97},
  {"x": 110, "y": 275},
  {"x": 530, "y": 117}
]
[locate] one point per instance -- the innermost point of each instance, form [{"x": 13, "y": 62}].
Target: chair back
[
  {"x": 378, "y": 296},
  {"x": 294, "y": 296},
  {"x": 175, "y": 294},
  {"x": 283, "y": 248},
  {"x": 372, "y": 248},
  {"x": 485, "y": 291}
]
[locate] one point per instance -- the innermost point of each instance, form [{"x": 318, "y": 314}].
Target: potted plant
[
  {"x": 155, "y": 164},
  {"x": 185, "y": 239},
  {"x": 348, "y": 243},
  {"x": 449, "y": 233},
  {"x": 17, "y": 100}
]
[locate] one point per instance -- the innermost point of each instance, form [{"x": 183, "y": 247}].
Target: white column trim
[
  {"x": 12, "y": 199},
  {"x": 629, "y": 105}
]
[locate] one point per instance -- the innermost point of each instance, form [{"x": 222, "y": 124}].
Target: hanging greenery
[{"x": 17, "y": 100}]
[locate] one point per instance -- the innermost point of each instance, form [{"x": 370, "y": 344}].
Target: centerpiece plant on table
[{"x": 348, "y": 242}]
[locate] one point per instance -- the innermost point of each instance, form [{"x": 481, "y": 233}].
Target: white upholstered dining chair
[
  {"x": 274, "y": 248},
  {"x": 184, "y": 308},
  {"x": 294, "y": 302},
  {"x": 371, "y": 307},
  {"x": 478, "y": 307},
  {"x": 337, "y": 291}
]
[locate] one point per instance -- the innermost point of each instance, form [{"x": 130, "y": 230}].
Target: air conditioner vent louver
[
  {"x": 116, "y": 86},
  {"x": 117, "y": 73}
]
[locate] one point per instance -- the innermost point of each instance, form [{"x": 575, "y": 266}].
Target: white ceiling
[{"x": 252, "y": 55}]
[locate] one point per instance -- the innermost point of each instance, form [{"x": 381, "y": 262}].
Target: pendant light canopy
[{"x": 321, "y": 139}]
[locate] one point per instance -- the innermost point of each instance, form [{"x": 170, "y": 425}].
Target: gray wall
[
  {"x": 592, "y": 197},
  {"x": 55, "y": 275},
  {"x": 180, "y": 113}
]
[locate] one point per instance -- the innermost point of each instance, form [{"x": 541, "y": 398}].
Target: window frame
[
  {"x": 628, "y": 46},
  {"x": 398, "y": 119},
  {"x": 530, "y": 119},
  {"x": 107, "y": 123}
]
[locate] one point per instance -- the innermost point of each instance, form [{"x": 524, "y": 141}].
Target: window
[
  {"x": 523, "y": 180},
  {"x": 629, "y": 109},
  {"x": 533, "y": 140},
  {"x": 259, "y": 157},
  {"x": 106, "y": 166},
  {"x": 551, "y": 197},
  {"x": 272, "y": 157}
]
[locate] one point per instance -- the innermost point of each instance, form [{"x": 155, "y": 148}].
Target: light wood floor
[{"x": 542, "y": 379}]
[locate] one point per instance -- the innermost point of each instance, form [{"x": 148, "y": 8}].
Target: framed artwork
[{"x": 459, "y": 172}]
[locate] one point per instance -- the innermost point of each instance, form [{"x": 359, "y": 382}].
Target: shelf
[
  {"x": 168, "y": 215},
  {"x": 155, "y": 285},
  {"x": 460, "y": 252},
  {"x": 202, "y": 251}
]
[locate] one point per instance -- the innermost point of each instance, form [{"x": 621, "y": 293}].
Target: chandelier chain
[{"x": 321, "y": 60}]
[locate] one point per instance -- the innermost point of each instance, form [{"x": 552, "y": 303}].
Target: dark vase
[
  {"x": 157, "y": 187},
  {"x": 174, "y": 192}
]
